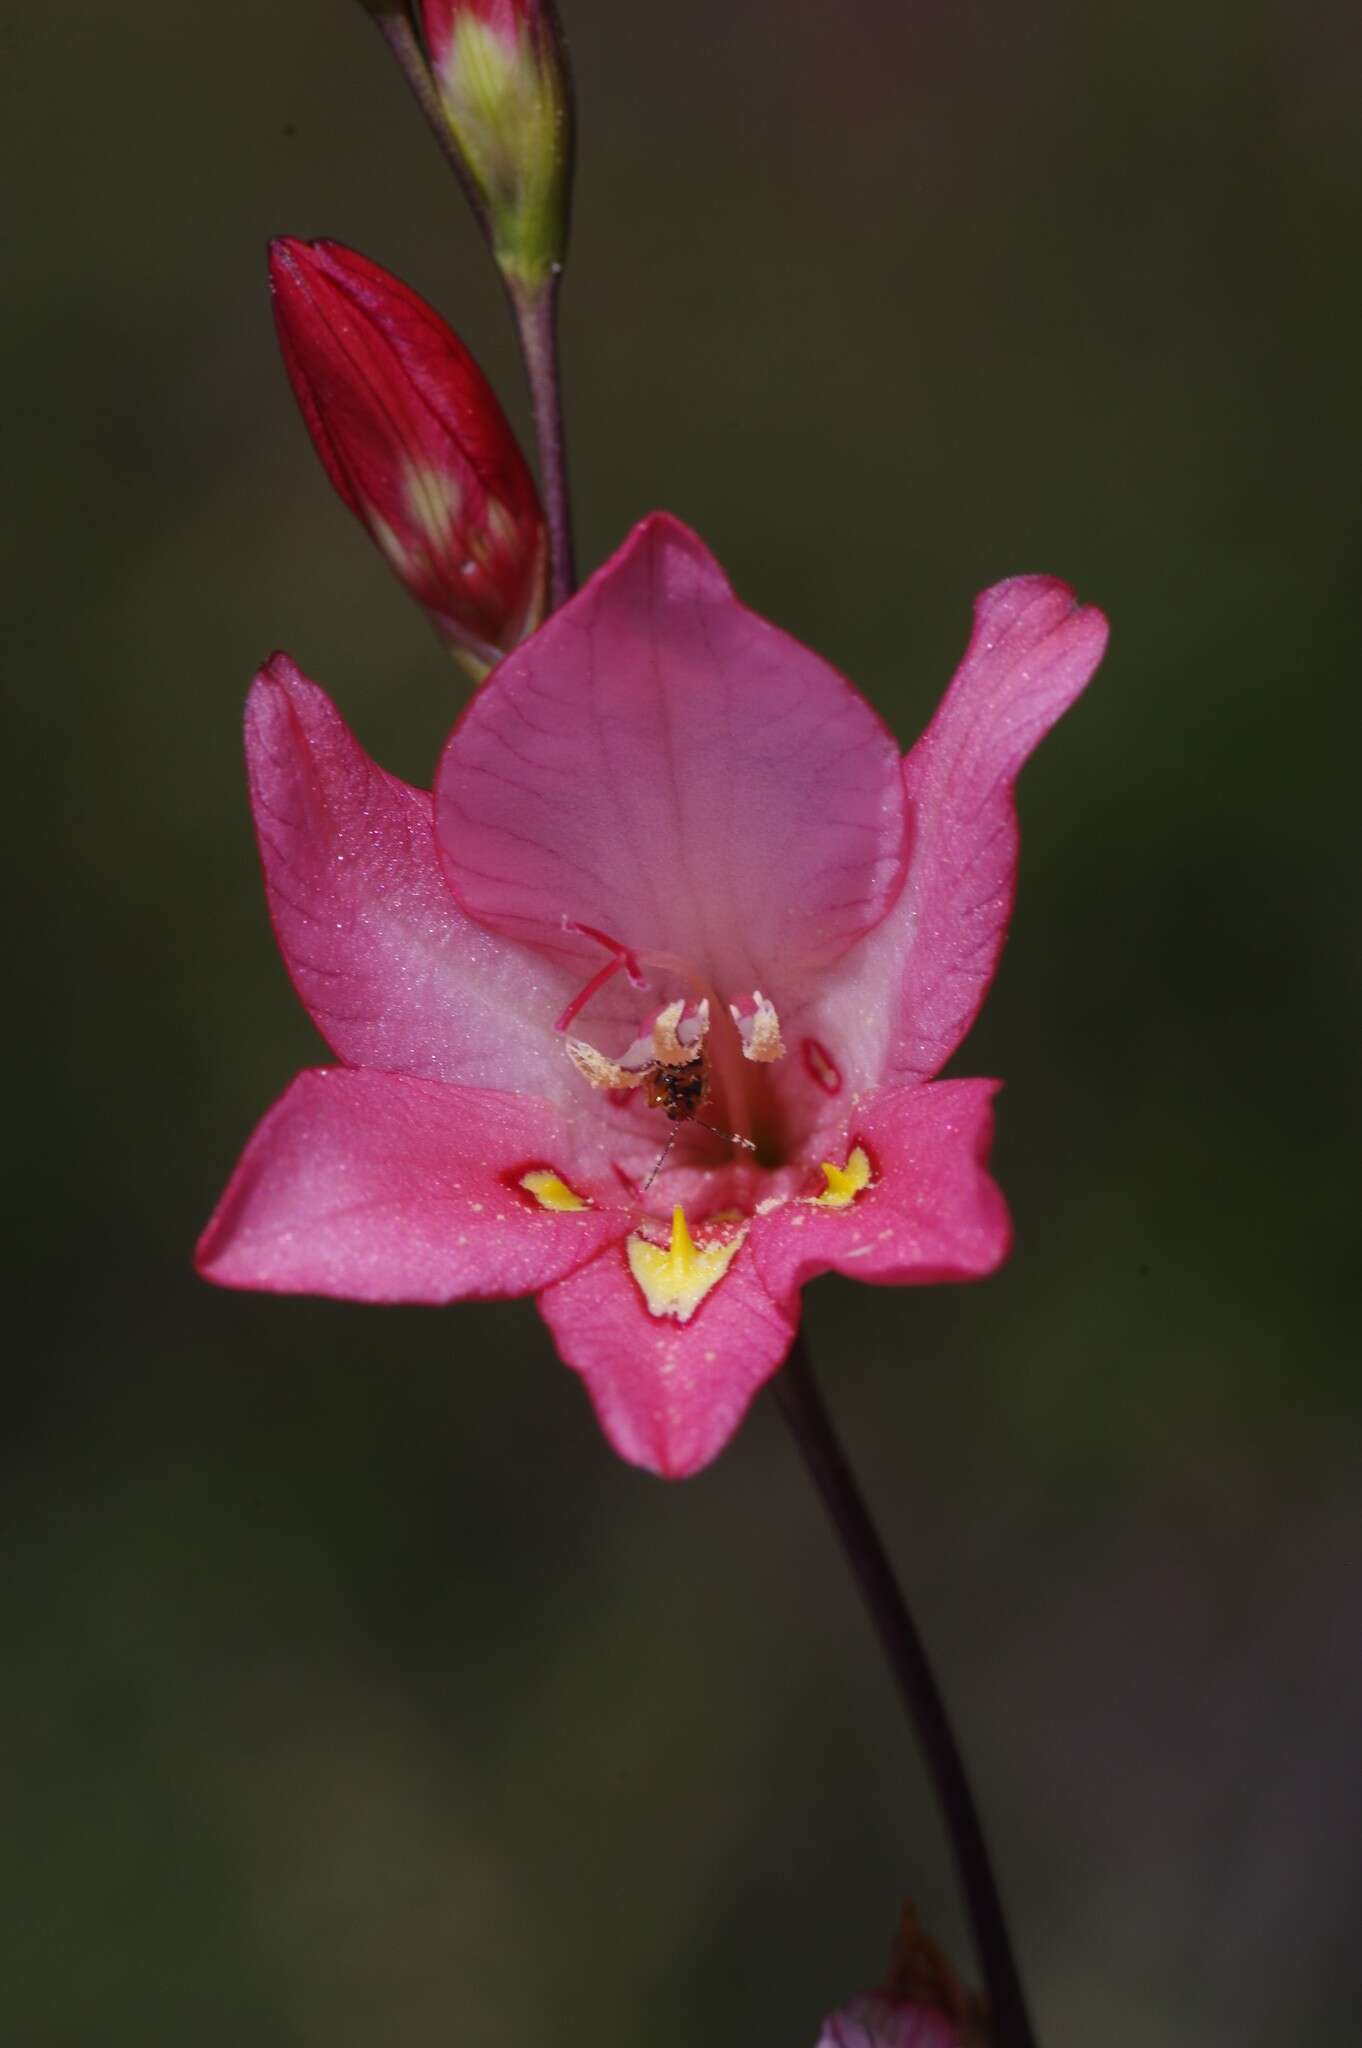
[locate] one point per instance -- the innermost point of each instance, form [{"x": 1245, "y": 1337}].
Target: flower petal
[
  {"x": 886, "y": 2023},
  {"x": 669, "y": 1395},
  {"x": 930, "y": 1211},
  {"x": 909, "y": 995},
  {"x": 374, "y": 1187},
  {"x": 660, "y": 764},
  {"x": 394, "y": 975}
]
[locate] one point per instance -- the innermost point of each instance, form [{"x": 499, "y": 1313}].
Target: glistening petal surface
[
  {"x": 374, "y": 1187},
  {"x": 665, "y": 766},
  {"x": 912, "y": 990},
  {"x": 931, "y": 1211},
  {"x": 668, "y": 1395},
  {"x": 394, "y": 974}
]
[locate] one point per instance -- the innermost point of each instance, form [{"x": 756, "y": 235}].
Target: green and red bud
[
  {"x": 414, "y": 440},
  {"x": 501, "y": 75}
]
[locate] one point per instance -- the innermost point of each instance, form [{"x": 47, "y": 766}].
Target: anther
[
  {"x": 760, "y": 1033},
  {"x": 601, "y": 1072},
  {"x": 669, "y": 1049}
]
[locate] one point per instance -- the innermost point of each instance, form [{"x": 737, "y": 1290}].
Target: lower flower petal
[
  {"x": 668, "y": 1394},
  {"x": 925, "y": 1208},
  {"x": 378, "y": 1187}
]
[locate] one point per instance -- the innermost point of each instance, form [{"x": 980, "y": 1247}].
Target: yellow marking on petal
[
  {"x": 552, "y": 1193},
  {"x": 675, "y": 1278},
  {"x": 844, "y": 1183}
]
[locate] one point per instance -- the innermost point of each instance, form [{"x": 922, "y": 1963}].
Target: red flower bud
[{"x": 414, "y": 440}]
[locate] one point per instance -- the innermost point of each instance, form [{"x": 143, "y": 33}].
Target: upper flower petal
[
  {"x": 908, "y": 996},
  {"x": 394, "y": 975},
  {"x": 664, "y": 766},
  {"x": 375, "y": 1187},
  {"x": 926, "y": 1208},
  {"x": 668, "y": 1394}
]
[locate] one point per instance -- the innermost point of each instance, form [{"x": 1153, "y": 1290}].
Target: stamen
[
  {"x": 621, "y": 958},
  {"x": 760, "y": 1033},
  {"x": 594, "y": 1067},
  {"x": 669, "y": 1049}
]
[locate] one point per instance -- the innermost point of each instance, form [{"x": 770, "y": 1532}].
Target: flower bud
[
  {"x": 923, "y": 2004},
  {"x": 414, "y": 440},
  {"x": 501, "y": 75},
  {"x": 885, "y": 2023}
]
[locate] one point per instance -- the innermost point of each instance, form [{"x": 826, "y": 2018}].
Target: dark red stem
[
  {"x": 536, "y": 314},
  {"x": 802, "y": 1405}
]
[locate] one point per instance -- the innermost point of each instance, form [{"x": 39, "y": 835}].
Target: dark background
[{"x": 354, "y": 1694}]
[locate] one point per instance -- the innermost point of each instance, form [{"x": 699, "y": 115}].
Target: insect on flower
[
  {"x": 681, "y": 1093},
  {"x": 671, "y": 1065}
]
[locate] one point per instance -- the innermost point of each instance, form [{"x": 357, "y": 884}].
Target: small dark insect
[{"x": 680, "y": 1093}]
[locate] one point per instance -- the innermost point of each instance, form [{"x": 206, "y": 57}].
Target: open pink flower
[{"x": 678, "y": 882}]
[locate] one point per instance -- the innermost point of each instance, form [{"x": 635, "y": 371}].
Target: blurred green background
[{"x": 354, "y": 1693}]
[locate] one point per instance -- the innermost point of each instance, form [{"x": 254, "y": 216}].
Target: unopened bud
[
  {"x": 501, "y": 75},
  {"x": 414, "y": 440},
  {"x": 923, "y": 2004},
  {"x": 885, "y": 2023}
]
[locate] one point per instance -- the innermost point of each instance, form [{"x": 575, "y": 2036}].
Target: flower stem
[
  {"x": 536, "y": 316},
  {"x": 802, "y": 1404}
]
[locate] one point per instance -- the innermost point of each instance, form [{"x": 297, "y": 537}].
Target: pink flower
[
  {"x": 668, "y": 845},
  {"x": 414, "y": 440},
  {"x": 885, "y": 2023},
  {"x": 923, "y": 2005}
]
